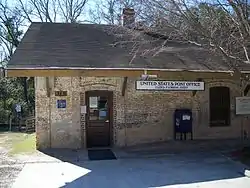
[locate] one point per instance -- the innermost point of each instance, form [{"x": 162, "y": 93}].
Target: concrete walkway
[{"x": 190, "y": 170}]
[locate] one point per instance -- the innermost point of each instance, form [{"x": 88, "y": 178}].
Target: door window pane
[
  {"x": 93, "y": 102},
  {"x": 98, "y": 108}
]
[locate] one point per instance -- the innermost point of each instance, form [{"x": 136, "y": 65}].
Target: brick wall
[{"x": 139, "y": 116}]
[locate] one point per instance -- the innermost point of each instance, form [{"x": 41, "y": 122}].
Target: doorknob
[{"x": 107, "y": 121}]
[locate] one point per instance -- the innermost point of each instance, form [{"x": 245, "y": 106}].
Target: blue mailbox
[{"x": 183, "y": 122}]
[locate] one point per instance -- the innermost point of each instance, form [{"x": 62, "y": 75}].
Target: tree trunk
[{"x": 4, "y": 103}]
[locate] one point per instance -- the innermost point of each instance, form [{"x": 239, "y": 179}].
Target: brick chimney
[{"x": 128, "y": 17}]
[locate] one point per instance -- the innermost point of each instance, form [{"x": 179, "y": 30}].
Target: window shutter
[{"x": 219, "y": 102}]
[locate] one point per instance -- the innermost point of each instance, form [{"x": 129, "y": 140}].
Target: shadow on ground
[
  {"x": 67, "y": 155},
  {"x": 185, "y": 168},
  {"x": 242, "y": 155},
  {"x": 149, "y": 173},
  {"x": 15, "y": 129}
]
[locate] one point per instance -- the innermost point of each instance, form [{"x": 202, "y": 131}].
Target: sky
[
  {"x": 90, "y": 4},
  {"x": 85, "y": 16}
]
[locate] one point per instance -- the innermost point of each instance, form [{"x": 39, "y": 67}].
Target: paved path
[{"x": 180, "y": 171}]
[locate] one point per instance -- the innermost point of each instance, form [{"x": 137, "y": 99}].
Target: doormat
[{"x": 101, "y": 154}]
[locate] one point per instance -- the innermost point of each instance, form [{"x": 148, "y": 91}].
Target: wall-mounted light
[{"x": 147, "y": 76}]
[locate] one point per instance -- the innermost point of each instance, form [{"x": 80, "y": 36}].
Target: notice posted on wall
[
  {"x": 93, "y": 102},
  {"x": 83, "y": 109},
  {"x": 242, "y": 105}
]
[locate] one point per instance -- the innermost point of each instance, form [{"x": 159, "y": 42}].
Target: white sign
[
  {"x": 83, "y": 110},
  {"x": 186, "y": 117},
  {"x": 242, "y": 105},
  {"x": 18, "y": 108},
  {"x": 170, "y": 85},
  {"x": 93, "y": 102}
]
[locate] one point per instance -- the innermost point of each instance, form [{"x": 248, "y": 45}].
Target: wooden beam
[
  {"x": 124, "y": 85},
  {"x": 48, "y": 87},
  {"x": 198, "y": 80},
  {"x": 194, "y": 93},
  {"x": 246, "y": 90}
]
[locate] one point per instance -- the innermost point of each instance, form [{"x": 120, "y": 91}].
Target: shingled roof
[{"x": 101, "y": 46}]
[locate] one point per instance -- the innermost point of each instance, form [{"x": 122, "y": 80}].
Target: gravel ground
[
  {"x": 8, "y": 174},
  {"x": 9, "y": 167}
]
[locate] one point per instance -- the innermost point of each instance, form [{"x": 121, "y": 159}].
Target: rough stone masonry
[{"x": 139, "y": 116}]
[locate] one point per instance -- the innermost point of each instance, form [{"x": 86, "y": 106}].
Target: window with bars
[{"x": 219, "y": 106}]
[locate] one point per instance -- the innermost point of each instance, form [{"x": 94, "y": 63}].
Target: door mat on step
[{"x": 101, "y": 154}]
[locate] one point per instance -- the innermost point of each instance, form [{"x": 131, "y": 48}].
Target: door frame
[{"x": 110, "y": 95}]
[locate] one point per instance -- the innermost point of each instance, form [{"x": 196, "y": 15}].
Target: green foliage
[
  {"x": 11, "y": 93},
  {"x": 13, "y": 90},
  {"x": 4, "y": 114},
  {"x": 18, "y": 143},
  {"x": 26, "y": 144},
  {"x": 13, "y": 34}
]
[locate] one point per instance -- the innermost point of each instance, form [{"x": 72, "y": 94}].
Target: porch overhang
[{"x": 116, "y": 72}]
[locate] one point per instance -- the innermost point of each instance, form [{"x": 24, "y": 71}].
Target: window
[
  {"x": 219, "y": 103},
  {"x": 98, "y": 108}
]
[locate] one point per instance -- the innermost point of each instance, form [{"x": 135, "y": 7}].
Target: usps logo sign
[
  {"x": 61, "y": 104},
  {"x": 170, "y": 85}
]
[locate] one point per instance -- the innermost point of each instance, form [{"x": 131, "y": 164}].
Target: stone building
[{"x": 91, "y": 91}]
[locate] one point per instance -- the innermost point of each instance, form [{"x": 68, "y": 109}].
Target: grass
[
  {"x": 18, "y": 143},
  {"x": 27, "y": 145}
]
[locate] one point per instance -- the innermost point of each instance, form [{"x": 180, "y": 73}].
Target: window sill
[{"x": 219, "y": 125}]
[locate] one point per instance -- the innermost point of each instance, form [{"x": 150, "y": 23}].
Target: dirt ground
[
  {"x": 18, "y": 149},
  {"x": 10, "y": 166}
]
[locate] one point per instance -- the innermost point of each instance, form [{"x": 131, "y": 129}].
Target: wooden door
[{"x": 99, "y": 118}]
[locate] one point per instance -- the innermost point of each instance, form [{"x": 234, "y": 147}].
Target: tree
[
  {"x": 68, "y": 11},
  {"x": 10, "y": 32},
  {"x": 220, "y": 26},
  {"x": 110, "y": 11},
  {"x": 13, "y": 90},
  {"x": 10, "y": 22},
  {"x": 72, "y": 9}
]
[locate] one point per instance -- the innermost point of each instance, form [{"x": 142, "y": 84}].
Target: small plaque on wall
[
  {"x": 83, "y": 109},
  {"x": 93, "y": 102},
  {"x": 61, "y": 103},
  {"x": 242, "y": 105},
  {"x": 61, "y": 93}
]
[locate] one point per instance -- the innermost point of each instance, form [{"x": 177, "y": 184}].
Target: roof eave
[{"x": 120, "y": 69}]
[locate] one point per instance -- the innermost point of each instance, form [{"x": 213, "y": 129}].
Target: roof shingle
[{"x": 102, "y": 46}]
